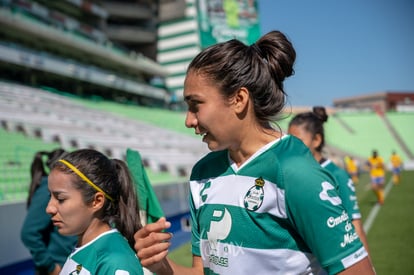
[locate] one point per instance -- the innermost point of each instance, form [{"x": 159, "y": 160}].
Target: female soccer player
[
  {"x": 93, "y": 197},
  {"x": 396, "y": 166},
  {"x": 377, "y": 174},
  {"x": 259, "y": 202}
]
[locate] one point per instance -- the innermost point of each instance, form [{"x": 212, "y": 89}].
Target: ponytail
[
  {"x": 128, "y": 207},
  {"x": 37, "y": 171}
]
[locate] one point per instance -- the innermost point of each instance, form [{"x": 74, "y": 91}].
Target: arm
[
  {"x": 320, "y": 218},
  {"x": 362, "y": 267},
  {"x": 151, "y": 245},
  {"x": 361, "y": 233},
  {"x": 349, "y": 200},
  {"x": 36, "y": 225}
]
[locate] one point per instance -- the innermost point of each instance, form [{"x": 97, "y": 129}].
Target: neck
[
  {"x": 251, "y": 143},
  {"x": 317, "y": 156},
  {"x": 96, "y": 228}
]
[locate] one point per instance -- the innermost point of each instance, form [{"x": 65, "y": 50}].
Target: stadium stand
[
  {"x": 33, "y": 120},
  {"x": 54, "y": 118},
  {"x": 17, "y": 153},
  {"x": 403, "y": 125},
  {"x": 369, "y": 132}
]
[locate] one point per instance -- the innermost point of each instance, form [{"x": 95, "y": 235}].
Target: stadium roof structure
[
  {"x": 101, "y": 49},
  {"x": 103, "y": 54},
  {"x": 380, "y": 102}
]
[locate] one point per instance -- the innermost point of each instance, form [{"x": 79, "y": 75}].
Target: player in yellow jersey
[
  {"x": 396, "y": 166},
  {"x": 377, "y": 174},
  {"x": 352, "y": 168}
]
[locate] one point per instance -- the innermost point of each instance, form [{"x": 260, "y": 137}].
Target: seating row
[{"x": 55, "y": 118}]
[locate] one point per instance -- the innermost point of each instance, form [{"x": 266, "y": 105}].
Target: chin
[
  {"x": 64, "y": 232},
  {"x": 214, "y": 147}
]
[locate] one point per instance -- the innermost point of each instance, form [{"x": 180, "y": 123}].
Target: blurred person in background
[
  {"x": 351, "y": 167},
  {"x": 308, "y": 127},
  {"x": 376, "y": 168},
  {"x": 396, "y": 167},
  {"x": 48, "y": 248}
]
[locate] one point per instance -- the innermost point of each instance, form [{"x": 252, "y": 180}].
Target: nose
[
  {"x": 50, "y": 208},
  {"x": 190, "y": 120}
]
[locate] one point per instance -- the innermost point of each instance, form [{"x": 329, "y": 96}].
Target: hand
[{"x": 151, "y": 244}]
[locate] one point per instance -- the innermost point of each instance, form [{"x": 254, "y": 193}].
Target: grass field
[{"x": 391, "y": 236}]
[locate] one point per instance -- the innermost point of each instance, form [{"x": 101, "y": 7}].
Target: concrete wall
[{"x": 12, "y": 249}]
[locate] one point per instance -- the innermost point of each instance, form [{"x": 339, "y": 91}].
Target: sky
[{"x": 344, "y": 48}]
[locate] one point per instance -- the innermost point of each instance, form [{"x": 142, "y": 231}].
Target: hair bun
[{"x": 320, "y": 112}]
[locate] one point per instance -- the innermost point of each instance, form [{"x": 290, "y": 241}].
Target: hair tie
[{"x": 85, "y": 178}]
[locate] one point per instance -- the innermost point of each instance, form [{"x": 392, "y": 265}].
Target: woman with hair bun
[
  {"x": 259, "y": 202},
  {"x": 308, "y": 127}
]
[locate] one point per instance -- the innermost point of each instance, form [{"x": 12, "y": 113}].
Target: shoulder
[
  {"x": 337, "y": 171},
  {"x": 114, "y": 253},
  {"x": 299, "y": 174},
  {"x": 113, "y": 246},
  {"x": 295, "y": 159},
  {"x": 210, "y": 164},
  {"x": 43, "y": 190},
  {"x": 112, "y": 241}
]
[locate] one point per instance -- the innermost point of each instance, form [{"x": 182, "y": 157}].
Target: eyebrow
[
  {"x": 57, "y": 193},
  {"x": 193, "y": 97}
]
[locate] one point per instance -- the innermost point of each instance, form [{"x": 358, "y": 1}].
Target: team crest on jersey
[
  {"x": 254, "y": 197},
  {"x": 77, "y": 271}
]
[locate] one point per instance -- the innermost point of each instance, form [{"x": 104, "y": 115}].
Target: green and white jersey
[
  {"x": 346, "y": 188},
  {"x": 109, "y": 253},
  {"x": 278, "y": 213}
]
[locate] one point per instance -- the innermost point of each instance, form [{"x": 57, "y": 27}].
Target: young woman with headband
[{"x": 93, "y": 197}]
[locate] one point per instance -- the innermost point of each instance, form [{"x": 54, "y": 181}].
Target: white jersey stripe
[{"x": 227, "y": 190}]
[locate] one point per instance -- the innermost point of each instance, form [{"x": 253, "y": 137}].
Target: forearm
[
  {"x": 196, "y": 269},
  {"x": 169, "y": 267},
  {"x": 362, "y": 267}
]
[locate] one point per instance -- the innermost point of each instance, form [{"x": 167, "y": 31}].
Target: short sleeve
[
  {"x": 317, "y": 213},
  {"x": 195, "y": 235}
]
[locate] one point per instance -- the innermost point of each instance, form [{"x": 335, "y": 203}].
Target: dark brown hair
[
  {"x": 38, "y": 169},
  {"x": 312, "y": 123},
  {"x": 261, "y": 68},
  {"x": 113, "y": 177}
]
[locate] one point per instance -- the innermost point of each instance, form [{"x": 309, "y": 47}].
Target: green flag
[{"x": 148, "y": 201}]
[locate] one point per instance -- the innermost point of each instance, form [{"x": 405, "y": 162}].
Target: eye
[
  {"x": 193, "y": 106},
  {"x": 60, "y": 200}
]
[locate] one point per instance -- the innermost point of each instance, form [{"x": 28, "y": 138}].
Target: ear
[
  {"x": 241, "y": 100},
  {"x": 98, "y": 201},
  {"x": 316, "y": 141}
]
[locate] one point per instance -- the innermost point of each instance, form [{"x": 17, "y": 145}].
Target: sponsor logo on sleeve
[{"x": 325, "y": 195}]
